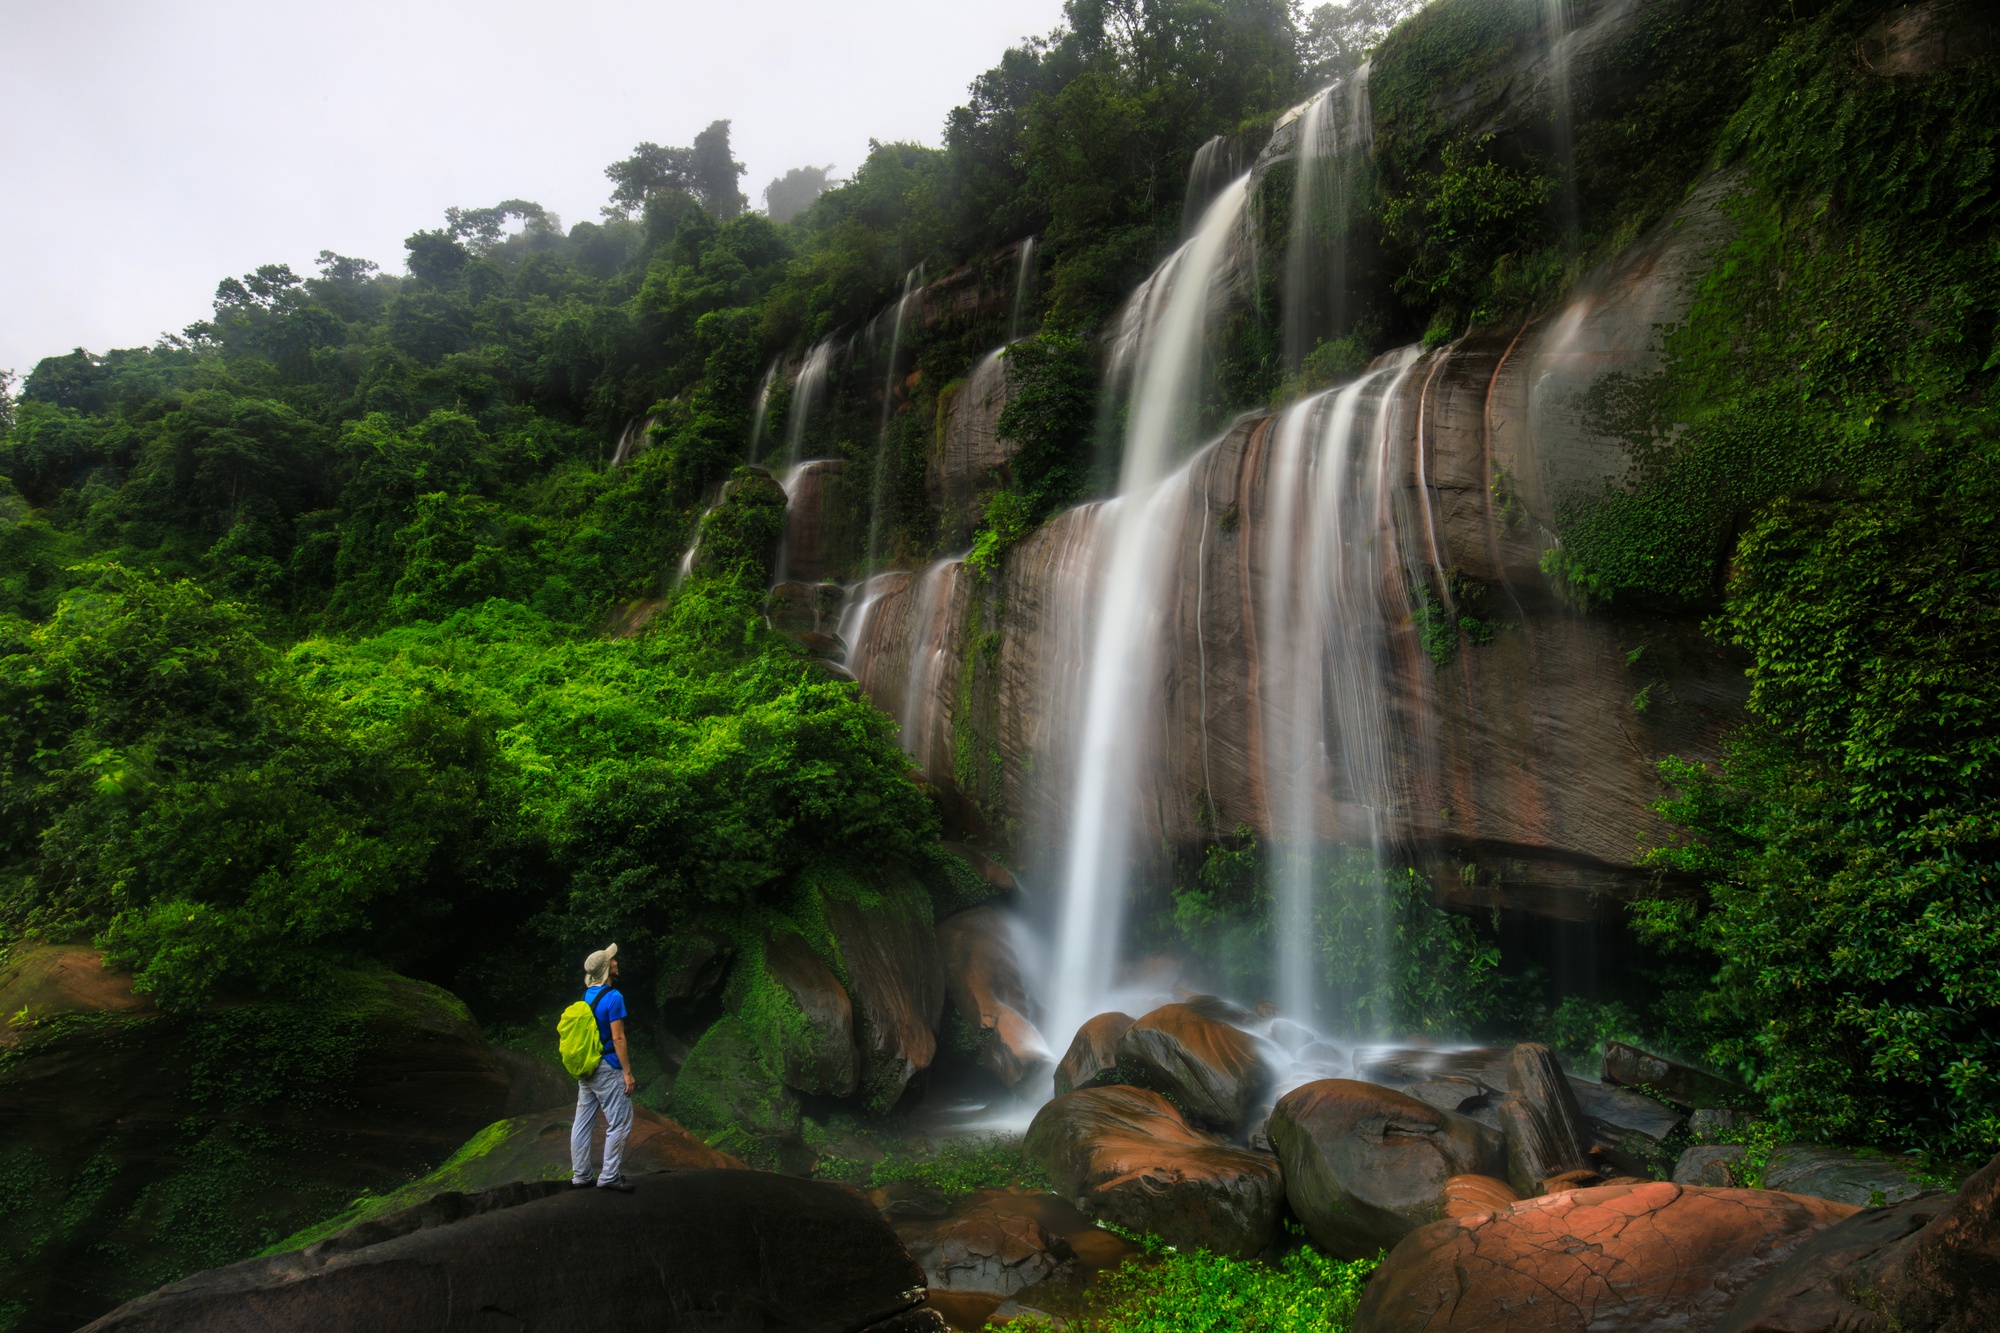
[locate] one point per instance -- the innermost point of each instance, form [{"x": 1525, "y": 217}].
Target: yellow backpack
[{"x": 577, "y": 1039}]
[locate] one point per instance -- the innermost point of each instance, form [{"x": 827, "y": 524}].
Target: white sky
[{"x": 149, "y": 149}]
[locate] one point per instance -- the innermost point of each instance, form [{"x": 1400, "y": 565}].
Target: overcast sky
[{"x": 149, "y": 148}]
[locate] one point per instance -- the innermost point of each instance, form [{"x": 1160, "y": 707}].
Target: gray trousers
[{"x": 604, "y": 1089}]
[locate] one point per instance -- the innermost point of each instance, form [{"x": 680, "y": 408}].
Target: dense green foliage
[{"x": 1199, "y": 1292}]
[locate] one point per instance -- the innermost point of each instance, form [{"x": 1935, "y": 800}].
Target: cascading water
[
  {"x": 1164, "y": 336},
  {"x": 1321, "y": 627},
  {"x": 930, "y": 642},
  {"x": 632, "y": 440},
  {"x": 1020, "y": 301},
  {"x": 806, "y": 392},
  {"x": 1557, "y": 25},
  {"x": 912, "y": 284},
  {"x": 760, "y": 410}
]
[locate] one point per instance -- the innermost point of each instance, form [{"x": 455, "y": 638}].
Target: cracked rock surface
[{"x": 1649, "y": 1258}]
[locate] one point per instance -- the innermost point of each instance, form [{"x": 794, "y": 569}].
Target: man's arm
[{"x": 624, "y": 1056}]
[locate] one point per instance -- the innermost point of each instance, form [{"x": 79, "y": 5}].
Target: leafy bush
[{"x": 1305, "y": 1292}]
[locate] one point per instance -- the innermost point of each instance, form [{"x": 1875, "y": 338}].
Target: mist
[{"x": 151, "y": 150}]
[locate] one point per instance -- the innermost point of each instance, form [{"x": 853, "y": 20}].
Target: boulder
[
  {"x": 1628, "y": 1130},
  {"x": 983, "y": 982},
  {"x": 1209, "y": 1069},
  {"x": 532, "y": 1149},
  {"x": 1125, "y": 1155},
  {"x": 888, "y": 950},
  {"x": 1645, "y": 1258},
  {"x": 728, "y": 1085},
  {"x": 1926, "y": 1265},
  {"x": 1365, "y": 1165},
  {"x": 688, "y": 1250},
  {"x": 806, "y": 1015},
  {"x": 991, "y": 873},
  {"x": 137, "y": 1143},
  {"x": 987, "y": 1250},
  {"x": 1541, "y": 1120},
  {"x": 1466, "y": 1195},
  {"x": 1845, "y": 1176},
  {"x": 1684, "y": 1085},
  {"x": 532, "y": 1084},
  {"x": 1092, "y": 1056},
  {"x": 1396, "y": 1066}
]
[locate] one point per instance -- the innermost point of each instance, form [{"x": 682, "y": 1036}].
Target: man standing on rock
[{"x": 609, "y": 1087}]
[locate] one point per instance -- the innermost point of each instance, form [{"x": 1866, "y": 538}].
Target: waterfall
[
  {"x": 1306, "y": 190},
  {"x": 911, "y": 286},
  {"x": 632, "y": 440},
  {"x": 1163, "y": 335},
  {"x": 930, "y": 652},
  {"x": 1334, "y": 125},
  {"x": 1020, "y": 301},
  {"x": 806, "y": 390},
  {"x": 1216, "y": 162},
  {"x": 1324, "y": 693},
  {"x": 1557, "y": 23},
  {"x": 759, "y": 409}
]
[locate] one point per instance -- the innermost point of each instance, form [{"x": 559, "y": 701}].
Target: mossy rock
[
  {"x": 141, "y": 1146},
  {"x": 727, "y": 1092},
  {"x": 525, "y": 1148},
  {"x": 796, "y": 1011}
]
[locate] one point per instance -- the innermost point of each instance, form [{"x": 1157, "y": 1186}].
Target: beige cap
[{"x": 597, "y": 967}]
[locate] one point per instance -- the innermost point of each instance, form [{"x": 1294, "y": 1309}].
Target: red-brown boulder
[
  {"x": 1636, "y": 1258},
  {"x": 1208, "y": 1068},
  {"x": 982, "y": 977},
  {"x": 1125, "y": 1155},
  {"x": 1092, "y": 1053}
]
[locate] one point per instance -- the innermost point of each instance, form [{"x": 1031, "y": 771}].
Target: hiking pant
[{"x": 604, "y": 1089}]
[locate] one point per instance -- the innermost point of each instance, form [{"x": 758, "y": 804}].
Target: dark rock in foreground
[
  {"x": 1927, "y": 1265},
  {"x": 1126, "y": 1156},
  {"x": 1649, "y": 1258},
  {"x": 714, "y": 1251},
  {"x": 1365, "y": 1165}
]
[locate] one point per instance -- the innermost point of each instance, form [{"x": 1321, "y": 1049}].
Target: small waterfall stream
[{"x": 912, "y": 285}]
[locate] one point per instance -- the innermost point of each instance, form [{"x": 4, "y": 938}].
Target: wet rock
[
  {"x": 809, "y": 1018},
  {"x": 995, "y": 876},
  {"x": 1543, "y": 1124},
  {"x": 968, "y": 459},
  {"x": 689, "y": 1250},
  {"x": 1926, "y": 1265},
  {"x": 1845, "y": 1176},
  {"x": 1466, "y": 1195},
  {"x": 1714, "y": 1124},
  {"x": 1365, "y": 1165},
  {"x": 1217, "y": 1008},
  {"x": 1715, "y": 1165},
  {"x": 1396, "y": 1067},
  {"x": 991, "y": 1251},
  {"x": 1125, "y": 1155},
  {"x": 888, "y": 947},
  {"x": 983, "y": 982},
  {"x": 374, "y": 1080},
  {"x": 1093, "y": 1053},
  {"x": 1209, "y": 1069},
  {"x": 534, "y": 1085},
  {"x": 693, "y": 965},
  {"x": 1635, "y": 1258},
  {"x": 909, "y": 1198},
  {"x": 1462, "y": 1095},
  {"x": 1684, "y": 1085},
  {"x": 817, "y": 536},
  {"x": 1928, "y": 37},
  {"x": 728, "y": 1084},
  {"x": 1628, "y": 1130}
]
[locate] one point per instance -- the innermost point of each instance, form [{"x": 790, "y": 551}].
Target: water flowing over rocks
[
  {"x": 983, "y": 981},
  {"x": 968, "y": 459},
  {"x": 1126, "y": 1156},
  {"x": 689, "y": 1250},
  {"x": 1209, "y": 1069},
  {"x": 1643, "y": 1258},
  {"x": 1365, "y": 1165}
]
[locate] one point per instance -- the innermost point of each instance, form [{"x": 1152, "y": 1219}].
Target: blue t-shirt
[{"x": 609, "y": 1012}]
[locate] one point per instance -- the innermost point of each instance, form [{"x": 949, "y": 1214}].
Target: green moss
[{"x": 726, "y": 1085}]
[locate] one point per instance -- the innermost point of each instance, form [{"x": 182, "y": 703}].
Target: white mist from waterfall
[
  {"x": 1019, "y": 304},
  {"x": 1164, "y": 334},
  {"x": 760, "y": 409},
  {"x": 1556, "y": 32}
]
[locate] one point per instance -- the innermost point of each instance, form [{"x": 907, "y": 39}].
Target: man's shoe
[
  {"x": 619, "y": 1183},
  {"x": 583, "y": 1184}
]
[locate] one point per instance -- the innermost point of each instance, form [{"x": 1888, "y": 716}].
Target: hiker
[{"x": 609, "y": 1086}]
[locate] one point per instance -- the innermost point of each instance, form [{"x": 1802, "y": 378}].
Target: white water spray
[{"x": 912, "y": 284}]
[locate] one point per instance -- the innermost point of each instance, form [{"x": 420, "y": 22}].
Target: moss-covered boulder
[
  {"x": 137, "y": 1146},
  {"x": 887, "y": 947},
  {"x": 730, "y": 1093},
  {"x": 527, "y": 1148},
  {"x": 795, "y": 1008}
]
